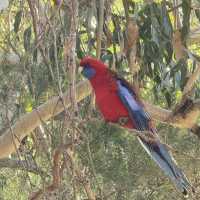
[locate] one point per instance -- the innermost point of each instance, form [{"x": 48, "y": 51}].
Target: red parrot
[{"x": 117, "y": 101}]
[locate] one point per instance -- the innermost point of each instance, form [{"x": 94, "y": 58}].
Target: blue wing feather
[
  {"x": 136, "y": 111},
  {"x": 155, "y": 149}
]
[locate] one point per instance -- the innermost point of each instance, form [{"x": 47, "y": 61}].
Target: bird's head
[{"x": 92, "y": 67}]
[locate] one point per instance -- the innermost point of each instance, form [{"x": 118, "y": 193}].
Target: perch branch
[{"x": 28, "y": 122}]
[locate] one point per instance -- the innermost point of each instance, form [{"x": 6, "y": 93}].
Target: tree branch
[
  {"x": 191, "y": 81},
  {"x": 28, "y": 122},
  {"x": 20, "y": 165},
  {"x": 187, "y": 111},
  {"x": 100, "y": 28}
]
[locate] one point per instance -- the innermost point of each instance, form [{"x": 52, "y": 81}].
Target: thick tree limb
[
  {"x": 27, "y": 123},
  {"x": 187, "y": 111},
  {"x": 187, "y": 118}
]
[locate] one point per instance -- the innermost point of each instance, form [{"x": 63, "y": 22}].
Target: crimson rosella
[{"x": 117, "y": 101}]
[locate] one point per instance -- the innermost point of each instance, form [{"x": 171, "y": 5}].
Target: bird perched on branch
[{"x": 120, "y": 103}]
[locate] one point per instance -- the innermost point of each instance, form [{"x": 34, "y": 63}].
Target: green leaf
[
  {"x": 35, "y": 54},
  {"x": 155, "y": 32},
  {"x": 151, "y": 51},
  {"x": 176, "y": 68},
  {"x": 168, "y": 98},
  {"x": 145, "y": 23},
  {"x": 116, "y": 35},
  {"x": 197, "y": 13},
  {"x": 155, "y": 10},
  {"x": 131, "y": 6},
  {"x": 157, "y": 79},
  {"x": 168, "y": 52},
  {"x": 51, "y": 54},
  {"x": 167, "y": 95},
  {"x": 179, "y": 74},
  {"x": 27, "y": 38},
  {"x": 80, "y": 54},
  {"x": 17, "y": 22},
  {"x": 107, "y": 57},
  {"x": 186, "y": 8},
  {"x": 3, "y": 181},
  {"x": 167, "y": 29}
]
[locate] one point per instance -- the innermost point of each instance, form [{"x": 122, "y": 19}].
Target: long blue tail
[
  {"x": 157, "y": 150},
  {"x": 160, "y": 154}
]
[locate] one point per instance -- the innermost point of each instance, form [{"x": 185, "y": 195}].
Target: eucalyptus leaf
[
  {"x": 17, "y": 21},
  {"x": 183, "y": 74},
  {"x": 27, "y": 38},
  {"x": 168, "y": 98},
  {"x": 186, "y": 8},
  {"x": 167, "y": 29},
  {"x": 197, "y": 13}
]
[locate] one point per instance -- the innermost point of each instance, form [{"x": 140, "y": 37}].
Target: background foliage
[{"x": 148, "y": 42}]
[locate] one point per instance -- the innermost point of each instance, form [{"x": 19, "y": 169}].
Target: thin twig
[
  {"x": 37, "y": 39},
  {"x": 100, "y": 28},
  {"x": 56, "y": 172}
]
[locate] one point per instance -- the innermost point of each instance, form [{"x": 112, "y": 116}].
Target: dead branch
[{"x": 20, "y": 165}]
